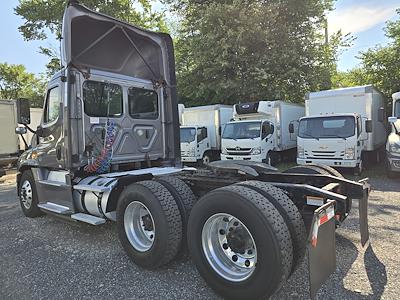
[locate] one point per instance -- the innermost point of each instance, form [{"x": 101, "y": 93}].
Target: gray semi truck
[{"x": 108, "y": 149}]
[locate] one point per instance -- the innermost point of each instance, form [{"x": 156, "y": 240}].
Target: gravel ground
[{"x": 45, "y": 258}]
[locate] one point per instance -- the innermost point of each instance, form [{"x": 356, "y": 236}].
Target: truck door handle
[{"x": 58, "y": 152}]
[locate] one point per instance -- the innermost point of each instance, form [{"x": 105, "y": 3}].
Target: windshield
[
  {"x": 242, "y": 130},
  {"x": 327, "y": 127},
  {"x": 188, "y": 134}
]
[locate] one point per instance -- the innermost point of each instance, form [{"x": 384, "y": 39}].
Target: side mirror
[
  {"x": 381, "y": 114},
  {"x": 392, "y": 119},
  {"x": 291, "y": 128},
  {"x": 20, "y": 130},
  {"x": 368, "y": 126},
  {"x": 23, "y": 111}
]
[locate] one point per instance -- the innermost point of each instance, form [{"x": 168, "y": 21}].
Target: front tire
[
  {"x": 28, "y": 195},
  {"x": 240, "y": 243},
  {"x": 149, "y": 224}
]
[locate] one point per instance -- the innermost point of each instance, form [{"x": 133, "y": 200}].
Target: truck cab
[
  {"x": 261, "y": 131},
  {"x": 332, "y": 140},
  {"x": 194, "y": 144},
  {"x": 393, "y": 142}
]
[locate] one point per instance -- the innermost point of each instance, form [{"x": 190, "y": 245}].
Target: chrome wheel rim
[
  {"x": 139, "y": 226},
  {"x": 26, "y": 194},
  {"x": 206, "y": 160},
  {"x": 229, "y": 247}
]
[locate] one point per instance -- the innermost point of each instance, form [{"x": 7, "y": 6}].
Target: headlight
[
  {"x": 349, "y": 153},
  {"x": 256, "y": 151},
  {"x": 300, "y": 152},
  {"x": 223, "y": 151},
  {"x": 394, "y": 148}
]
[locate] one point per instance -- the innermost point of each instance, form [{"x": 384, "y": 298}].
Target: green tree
[
  {"x": 16, "y": 82},
  {"x": 245, "y": 50},
  {"x": 44, "y": 17}
]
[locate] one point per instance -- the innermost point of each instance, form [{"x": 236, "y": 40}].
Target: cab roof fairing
[{"x": 94, "y": 40}]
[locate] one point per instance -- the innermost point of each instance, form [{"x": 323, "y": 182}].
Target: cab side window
[{"x": 52, "y": 106}]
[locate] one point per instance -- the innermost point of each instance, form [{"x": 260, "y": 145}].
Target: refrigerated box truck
[
  {"x": 261, "y": 131},
  {"x": 200, "y": 132},
  {"x": 393, "y": 142},
  {"x": 342, "y": 128}
]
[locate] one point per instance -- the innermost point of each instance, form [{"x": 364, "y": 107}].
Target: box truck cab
[
  {"x": 393, "y": 142},
  {"x": 200, "y": 132},
  {"x": 261, "y": 131},
  {"x": 342, "y": 127}
]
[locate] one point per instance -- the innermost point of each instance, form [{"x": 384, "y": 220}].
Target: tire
[
  {"x": 267, "y": 228},
  {"x": 206, "y": 159},
  {"x": 389, "y": 173},
  {"x": 28, "y": 195},
  {"x": 272, "y": 159},
  {"x": 183, "y": 195},
  {"x": 329, "y": 169},
  {"x": 163, "y": 222},
  {"x": 290, "y": 214},
  {"x": 307, "y": 169},
  {"x": 359, "y": 169}
]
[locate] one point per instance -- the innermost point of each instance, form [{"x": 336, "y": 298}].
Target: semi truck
[
  {"x": 109, "y": 151},
  {"x": 200, "y": 132},
  {"x": 342, "y": 128},
  {"x": 261, "y": 131},
  {"x": 393, "y": 141}
]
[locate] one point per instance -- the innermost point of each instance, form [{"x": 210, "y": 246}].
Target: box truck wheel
[
  {"x": 207, "y": 158},
  {"x": 149, "y": 224},
  {"x": 28, "y": 195},
  {"x": 273, "y": 158},
  {"x": 360, "y": 167},
  {"x": 290, "y": 214},
  {"x": 240, "y": 243}
]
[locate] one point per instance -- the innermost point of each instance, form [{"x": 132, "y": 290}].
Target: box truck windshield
[
  {"x": 188, "y": 134},
  {"x": 327, "y": 127},
  {"x": 242, "y": 130}
]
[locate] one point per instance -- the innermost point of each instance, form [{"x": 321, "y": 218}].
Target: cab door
[{"x": 50, "y": 131}]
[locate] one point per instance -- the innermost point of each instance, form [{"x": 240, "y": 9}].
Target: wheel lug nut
[
  {"x": 221, "y": 232},
  {"x": 236, "y": 223},
  {"x": 234, "y": 258},
  {"x": 225, "y": 246},
  {"x": 247, "y": 263},
  {"x": 225, "y": 219}
]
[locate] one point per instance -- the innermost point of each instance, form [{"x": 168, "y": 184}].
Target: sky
[{"x": 364, "y": 19}]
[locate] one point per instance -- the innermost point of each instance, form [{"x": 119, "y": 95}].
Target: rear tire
[
  {"x": 207, "y": 158},
  {"x": 28, "y": 195},
  {"x": 290, "y": 214},
  {"x": 268, "y": 231},
  {"x": 152, "y": 234},
  {"x": 273, "y": 158}
]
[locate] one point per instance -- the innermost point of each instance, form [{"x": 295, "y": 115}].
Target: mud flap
[
  {"x": 363, "y": 216},
  {"x": 321, "y": 246}
]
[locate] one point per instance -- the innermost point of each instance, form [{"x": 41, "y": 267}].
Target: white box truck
[
  {"x": 393, "y": 141},
  {"x": 260, "y": 131},
  {"x": 342, "y": 128},
  {"x": 9, "y": 146},
  {"x": 200, "y": 132}
]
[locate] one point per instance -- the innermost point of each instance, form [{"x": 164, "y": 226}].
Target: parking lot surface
[{"x": 46, "y": 258}]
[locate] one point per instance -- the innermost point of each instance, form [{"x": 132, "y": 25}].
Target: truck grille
[
  {"x": 238, "y": 151},
  {"x": 324, "y": 154}
]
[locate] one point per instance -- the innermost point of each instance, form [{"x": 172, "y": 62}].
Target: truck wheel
[
  {"x": 183, "y": 195},
  {"x": 290, "y": 214},
  {"x": 28, "y": 196},
  {"x": 206, "y": 159},
  {"x": 149, "y": 224},
  {"x": 272, "y": 159},
  {"x": 358, "y": 170},
  {"x": 240, "y": 243}
]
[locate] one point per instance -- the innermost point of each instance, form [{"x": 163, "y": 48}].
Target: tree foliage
[
  {"x": 244, "y": 50},
  {"x": 44, "y": 17},
  {"x": 16, "y": 82}
]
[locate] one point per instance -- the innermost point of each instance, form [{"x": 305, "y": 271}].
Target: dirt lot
[{"x": 49, "y": 259}]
